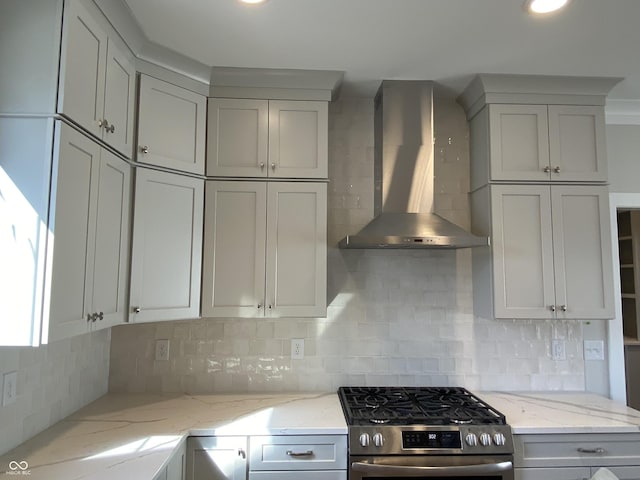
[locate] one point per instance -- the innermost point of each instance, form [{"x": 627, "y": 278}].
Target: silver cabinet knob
[
  {"x": 471, "y": 439},
  {"x": 242, "y": 453},
  {"x": 273, "y": 167},
  {"x": 89, "y": 317},
  {"x": 552, "y": 308},
  {"x": 378, "y": 440},
  {"x": 144, "y": 149},
  {"x": 556, "y": 169},
  {"x": 364, "y": 440},
  {"x": 259, "y": 306},
  {"x": 100, "y": 315},
  {"x": 485, "y": 439},
  {"x": 546, "y": 169},
  {"x": 499, "y": 439},
  {"x": 137, "y": 309},
  {"x": 111, "y": 128},
  {"x": 261, "y": 165},
  {"x": 270, "y": 307},
  {"x": 563, "y": 308}
]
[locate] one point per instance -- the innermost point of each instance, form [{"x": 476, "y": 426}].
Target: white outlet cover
[
  {"x": 9, "y": 388},
  {"x": 162, "y": 349},
  {"x": 558, "y": 350},
  {"x": 297, "y": 348}
]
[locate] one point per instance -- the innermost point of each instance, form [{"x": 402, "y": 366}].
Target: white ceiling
[{"x": 370, "y": 40}]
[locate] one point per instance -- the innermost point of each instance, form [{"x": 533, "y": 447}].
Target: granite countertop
[{"x": 134, "y": 435}]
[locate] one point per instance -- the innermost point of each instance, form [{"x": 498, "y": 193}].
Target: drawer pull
[
  {"x": 308, "y": 453},
  {"x": 598, "y": 450}
]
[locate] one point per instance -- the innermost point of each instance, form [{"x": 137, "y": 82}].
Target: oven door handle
[{"x": 482, "y": 469}]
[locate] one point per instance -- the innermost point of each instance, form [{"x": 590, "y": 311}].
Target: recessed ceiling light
[
  {"x": 253, "y": 1},
  {"x": 544, "y": 6}
]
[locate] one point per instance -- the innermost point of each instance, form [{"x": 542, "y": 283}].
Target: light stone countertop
[
  {"x": 122, "y": 436},
  {"x": 134, "y": 435},
  {"x": 562, "y": 412}
]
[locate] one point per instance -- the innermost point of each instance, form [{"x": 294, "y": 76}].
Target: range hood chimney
[{"x": 404, "y": 175}]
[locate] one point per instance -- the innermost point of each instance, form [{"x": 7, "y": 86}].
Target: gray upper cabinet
[
  {"x": 549, "y": 252},
  {"x": 97, "y": 78},
  {"x": 166, "y": 246},
  {"x": 87, "y": 244},
  {"x": 555, "y": 143},
  {"x": 267, "y": 138},
  {"x": 171, "y": 126}
]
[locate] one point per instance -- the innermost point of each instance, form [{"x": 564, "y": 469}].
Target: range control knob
[
  {"x": 364, "y": 440},
  {"x": 499, "y": 439},
  {"x": 471, "y": 439},
  {"x": 378, "y": 441},
  {"x": 485, "y": 439}
]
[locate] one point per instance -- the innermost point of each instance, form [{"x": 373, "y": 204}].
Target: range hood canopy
[{"x": 404, "y": 176}]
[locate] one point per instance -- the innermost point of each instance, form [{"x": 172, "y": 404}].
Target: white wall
[
  {"x": 623, "y": 155},
  {"x": 394, "y": 317},
  {"x": 54, "y": 381}
]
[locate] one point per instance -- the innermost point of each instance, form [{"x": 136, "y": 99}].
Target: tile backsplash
[
  {"x": 54, "y": 381},
  {"x": 394, "y": 317}
]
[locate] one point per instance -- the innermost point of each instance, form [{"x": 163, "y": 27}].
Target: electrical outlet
[
  {"x": 558, "y": 351},
  {"x": 9, "y": 388},
  {"x": 593, "y": 350},
  {"x": 297, "y": 348},
  {"x": 162, "y": 349}
]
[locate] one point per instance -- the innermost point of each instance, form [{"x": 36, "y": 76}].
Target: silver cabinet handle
[
  {"x": 89, "y": 317},
  {"x": 546, "y": 169},
  {"x": 111, "y": 128},
  {"x": 261, "y": 165},
  {"x": 552, "y": 308},
  {"x": 259, "y": 306},
  {"x": 100, "y": 315},
  {"x": 425, "y": 472},
  {"x": 597, "y": 450},
  {"x": 101, "y": 123},
  {"x": 242, "y": 453},
  {"x": 136, "y": 309},
  {"x": 291, "y": 453},
  {"x": 273, "y": 167},
  {"x": 270, "y": 307},
  {"x": 556, "y": 169},
  {"x": 144, "y": 149},
  {"x": 563, "y": 308}
]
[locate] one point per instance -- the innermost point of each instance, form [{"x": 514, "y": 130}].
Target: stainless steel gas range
[{"x": 425, "y": 432}]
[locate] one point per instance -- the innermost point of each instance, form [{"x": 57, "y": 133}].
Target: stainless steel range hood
[{"x": 404, "y": 176}]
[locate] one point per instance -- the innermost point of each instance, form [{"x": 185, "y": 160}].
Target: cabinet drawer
[
  {"x": 575, "y": 473},
  {"x": 577, "y": 450},
  {"x": 298, "y": 452},
  {"x": 295, "y": 475}
]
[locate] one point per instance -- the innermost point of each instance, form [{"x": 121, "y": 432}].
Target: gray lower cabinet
[
  {"x": 576, "y": 456},
  {"x": 217, "y": 458},
  {"x": 175, "y": 469}
]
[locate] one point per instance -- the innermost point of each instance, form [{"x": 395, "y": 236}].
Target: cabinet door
[
  {"x": 237, "y": 141},
  {"x": 171, "y": 126},
  {"x": 519, "y": 142},
  {"x": 71, "y": 236},
  {"x": 110, "y": 278},
  {"x": 166, "y": 246},
  {"x": 234, "y": 249},
  {"x": 82, "y": 71},
  {"x": 582, "y": 252},
  {"x": 296, "y": 249},
  {"x": 522, "y": 251},
  {"x": 119, "y": 98},
  {"x": 298, "y": 132},
  {"x": 217, "y": 458},
  {"x": 577, "y": 143}
]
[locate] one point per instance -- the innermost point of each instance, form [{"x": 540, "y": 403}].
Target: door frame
[{"x": 617, "y": 374}]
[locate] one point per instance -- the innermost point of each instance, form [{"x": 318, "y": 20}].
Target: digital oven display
[{"x": 434, "y": 439}]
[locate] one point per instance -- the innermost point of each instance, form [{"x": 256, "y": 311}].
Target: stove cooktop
[{"x": 416, "y": 406}]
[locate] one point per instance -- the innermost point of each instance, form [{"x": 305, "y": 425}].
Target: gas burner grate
[{"x": 416, "y": 405}]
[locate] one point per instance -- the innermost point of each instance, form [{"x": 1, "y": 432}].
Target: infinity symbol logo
[{"x": 13, "y": 465}]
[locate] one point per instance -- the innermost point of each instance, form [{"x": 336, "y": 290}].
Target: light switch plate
[
  {"x": 558, "y": 350},
  {"x": 593, "y": 350},
  {"x": 9, "y": 388}
]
